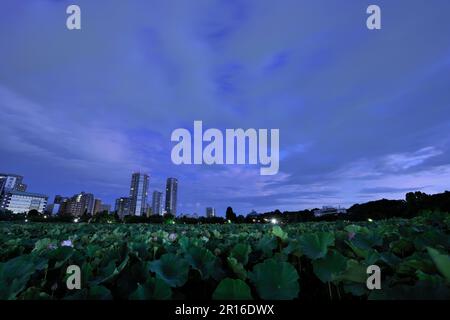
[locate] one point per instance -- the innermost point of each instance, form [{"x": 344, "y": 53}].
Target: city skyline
[
  {"x": 137, "y": 203},
  {"x": 362, "y": 114},
  {"x": 85, "y": 202}
]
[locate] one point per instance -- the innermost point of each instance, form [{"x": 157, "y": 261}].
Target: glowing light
[
  {"x": 273, "y": 221},
  {"x": 45, "y": 217},
  {"x": 26, "y": 220},
  {"x": 76, "y": 220},
  {"x": 370, "y": 220}
]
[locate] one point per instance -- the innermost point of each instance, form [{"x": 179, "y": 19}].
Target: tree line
[{"x": 413, "y": 204}]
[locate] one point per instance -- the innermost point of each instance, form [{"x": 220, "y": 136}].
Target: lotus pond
[{"x": 309, "y": 261}]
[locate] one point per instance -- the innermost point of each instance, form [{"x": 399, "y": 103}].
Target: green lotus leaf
[
  {"x": 353, "y": 228},
  {"x": 367, "y": 240},
  {"x": 329, "y": 267},
  {"x": 111, "y": 271},
  {"x": 240, "y": 252},
  {"x": 232, "y": 289},
  {"x": 390, "y": 259},
  {"x": 15, "y": 273},
  {"x": 86, "y": 273},
  {"x": 278, "y": 232},
  {"x": 43, "y": 245},
  {"x": 354, "y": 272},
  {"x": 275, "y": 280},
  {"x": 442, "y": 262},
  {"x": 433, "y": 278},
  {"x": 217, "y": 234},
  {"x": 237, "y": 268},
  {"x": 92, "y": 250},
  {"x": 372, "y": 257},
  {"x": 60, "y": 256},
  {"x": 409, "y": 266},
  {"x": 267, "y": 244},
  {"x": 315, "y": 245},
  {"x": 125, "y": 285},
  {"x": 187, "y": 242},
  {"x": 293, "y": 248},
  {"x": 359, "y": 252},
  {"x": 153, "y": 289},
  {"x": 280, "y": 256},
  {"x": 138, "y": 270},
  {"x": 217, "y": 272},
  {"x": 402, "y": 247},
  {"x": 172, "y": 269},
  {"x": 431, "y": 238},
  {"x": 202, "y": 260},
  {"x": 184, "y": 243}
]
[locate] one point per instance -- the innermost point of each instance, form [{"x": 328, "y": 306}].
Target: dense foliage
[
  {"x": 320, "y": 260},
  {"x": 413, "y": 204}
]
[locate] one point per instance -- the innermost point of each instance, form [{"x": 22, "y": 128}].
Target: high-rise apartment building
[
  {"x": 79, "y": 204},
  {"x": 11, "y": 182},
  {"x": 171, "y": 196},
  {"x": 97, "y": 206},
  {"x": 210, "y": 212},
  {"x": 138, "y": 194},
  {"x": 60, "y": 199},
  {"x": 157, "y": 208},
  {"x": 122, "y": 207}
]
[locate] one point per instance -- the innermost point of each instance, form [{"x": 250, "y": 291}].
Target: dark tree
[
  {"x": 33, "y": 213},
  {"x": 230, "y": 215},
  {"x": 169, "y": 216}
]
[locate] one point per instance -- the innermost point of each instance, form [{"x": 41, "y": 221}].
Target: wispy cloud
[{"x": 403, "y": 161}]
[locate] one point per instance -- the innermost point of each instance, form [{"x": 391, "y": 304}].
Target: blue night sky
[{"x": 362, "y": 114}]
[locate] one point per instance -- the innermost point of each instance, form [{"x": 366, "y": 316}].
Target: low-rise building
[
  {"x": 327, "y": 210},
  {"x": 22, "y": 202}
]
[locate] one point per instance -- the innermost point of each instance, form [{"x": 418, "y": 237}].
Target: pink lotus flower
[
  {"x": 172, "y": 237},
  {"x": 67, "y": 243}
]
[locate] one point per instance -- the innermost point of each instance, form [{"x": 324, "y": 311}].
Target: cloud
[
  {"x": 88, "y": 148},
  {"x": 361, "y": 115},
  {"x": 403, "y": 161}
]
